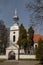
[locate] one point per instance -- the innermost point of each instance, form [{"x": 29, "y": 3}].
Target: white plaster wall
[
  {"x": 3, "y": 57},
  {"x": 15, "y": 51},
  {"x": 16, "y": 36},
  {"x": 20, "y": 56},
  {"x": 22, "y": 51},
  {"x": 27, "y": 56},
  {"x": 14, "y": 28}
]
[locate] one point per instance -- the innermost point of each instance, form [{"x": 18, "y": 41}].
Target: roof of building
[{"x": 36, "y": 38}]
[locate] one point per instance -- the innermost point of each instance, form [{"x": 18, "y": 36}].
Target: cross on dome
[
  {"x": 15, "y": 17},
  {"x": 15, "y": 12}
]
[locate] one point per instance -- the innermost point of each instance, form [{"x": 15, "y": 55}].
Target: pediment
[{"x": 14, "y": 47}]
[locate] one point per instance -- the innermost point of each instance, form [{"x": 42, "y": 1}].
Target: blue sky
[{"x": 7, "y": 11}]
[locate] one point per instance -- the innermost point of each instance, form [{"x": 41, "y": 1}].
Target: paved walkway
[{"x": 12, "y": 62}]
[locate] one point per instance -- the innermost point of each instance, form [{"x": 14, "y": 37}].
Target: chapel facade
[{"x": 12, "y": 50}]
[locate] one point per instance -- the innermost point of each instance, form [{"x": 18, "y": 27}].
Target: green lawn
[
  {"x": 2, "y": 60},
  {"x": 39, "y": 64}
]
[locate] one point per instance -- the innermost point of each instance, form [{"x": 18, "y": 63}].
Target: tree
[
  {"x": 39, "y": 51},
  {"x": 22, "y": 37},
  {"x": 35, "y": 8},
  {"x": 25, "y": 45},
  {"x": 3, "y": 37},
  {"x": 31, "y": 35}
]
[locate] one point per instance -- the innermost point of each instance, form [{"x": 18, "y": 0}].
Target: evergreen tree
[
  {"x": 22, "y": 37},
  {"x": 25, "y": 45},
  {"x": 39, "y": 51},
  {"x": 31, "y": 35},
  {"x": 3, "y": 37}
]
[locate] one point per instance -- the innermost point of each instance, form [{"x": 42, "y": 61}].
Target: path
[{"x": 12, "y": 62}]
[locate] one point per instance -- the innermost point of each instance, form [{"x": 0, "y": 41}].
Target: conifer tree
[
  {"x": 39, "y": 51},
  {"x": 22, "y": 37},
  {"x": 31, "y": 35},
  {"x": 3, "y": 37}
]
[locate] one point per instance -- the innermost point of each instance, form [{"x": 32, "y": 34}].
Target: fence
[{"x": 27, "y": 56}]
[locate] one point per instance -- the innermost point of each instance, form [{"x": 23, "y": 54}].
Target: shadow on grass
[
  {"x": 2, "y": 60},
  {"x": 39, "y": 64},
  {"x": 28, "y": 60}
]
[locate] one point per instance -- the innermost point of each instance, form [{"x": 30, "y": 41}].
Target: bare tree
[{"x": 35, "y": 7}]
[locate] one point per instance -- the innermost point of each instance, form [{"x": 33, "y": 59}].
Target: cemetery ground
[{"x": 19, "y": 62}]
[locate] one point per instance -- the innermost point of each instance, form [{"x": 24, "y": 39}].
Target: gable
[{"x": 13, "y": 47}]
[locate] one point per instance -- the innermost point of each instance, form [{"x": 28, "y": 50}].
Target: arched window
[
  {"x": 35, "y": 46},
  {"x": 14, "y": 38}
]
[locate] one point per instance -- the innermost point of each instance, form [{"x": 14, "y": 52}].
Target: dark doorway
[{"x": 11, "y": 56}]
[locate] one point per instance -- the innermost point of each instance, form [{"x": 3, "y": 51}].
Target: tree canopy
[
  {"x": 22, "y": 36},
  {"x": 35, "y": 9},
  {"x": 3, "y": 37},
  {"x": 39, "y": 51},
  {"x": 31, "y": 35}
]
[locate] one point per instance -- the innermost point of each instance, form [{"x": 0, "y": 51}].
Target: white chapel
[
  {"x": 14, "y": 30},
  {"x": 14, "y": 35}
]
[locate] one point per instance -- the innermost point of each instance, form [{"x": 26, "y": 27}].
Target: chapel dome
[{"x": 14, "y": 27}]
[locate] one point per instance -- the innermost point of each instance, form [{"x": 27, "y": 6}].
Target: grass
[
  {"x": 2, "y": 60},
  {"x": 39, "y": 64},
  {"x": 29, "y": 59}
]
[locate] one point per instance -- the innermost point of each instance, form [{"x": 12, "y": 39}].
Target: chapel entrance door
[{"x": 11, "y": 56}]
